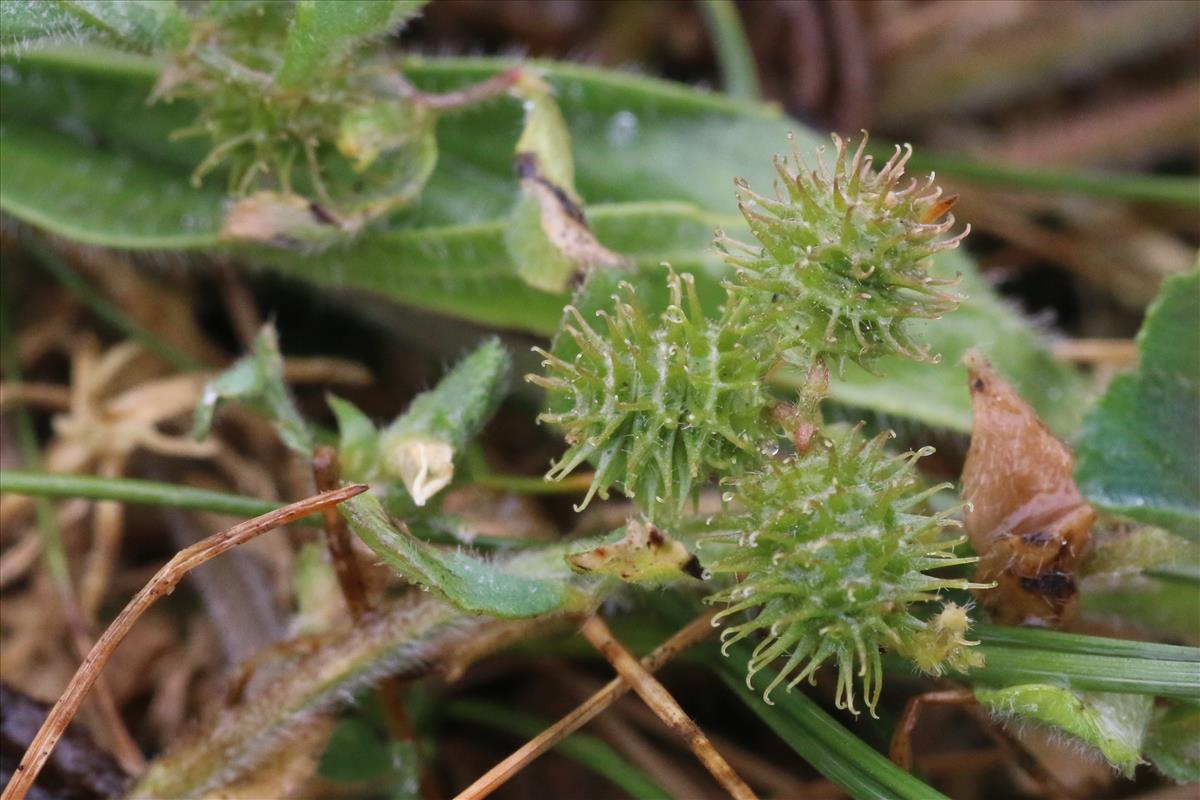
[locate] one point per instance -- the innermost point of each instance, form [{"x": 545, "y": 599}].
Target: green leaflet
[
  {"x": 515, "y": 589},
  {"x": 1173, "y": 741},
  {"x": 323, "y": 30},
  {"x": 1138, "y": 455},
  {"x": 257, "y": 381},
  {"x": 1114, "y": 724},
  {"x": 651, "y": 199}
]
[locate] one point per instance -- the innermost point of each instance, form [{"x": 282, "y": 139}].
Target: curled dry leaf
[{"x": 1026, "y": 518}]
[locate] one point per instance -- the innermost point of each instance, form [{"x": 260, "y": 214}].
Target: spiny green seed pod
[
  {"x": 843, "y": 255},
  {"x": 829, "y": 554},
  {"x": 655, "y": 402}
]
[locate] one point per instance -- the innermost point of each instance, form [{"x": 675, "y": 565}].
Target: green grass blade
[
  {"x": 154, "y": 493},
  {"x": 821, "y": 740},
  {"x": 1170, "y": 190},
  {"x": 1016, "y": 655},
  {"x": 736, "y": 60}
]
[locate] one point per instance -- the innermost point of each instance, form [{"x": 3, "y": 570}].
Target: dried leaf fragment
[
  {"x": 1026, "y": 518},
  {"x": 644, "y": 555}
]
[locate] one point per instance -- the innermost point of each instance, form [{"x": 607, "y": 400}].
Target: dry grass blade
[
  {"x": 586, "y": 711},
  {"x": 662, "y": 703},
  {"x": 163, "y": 583}
]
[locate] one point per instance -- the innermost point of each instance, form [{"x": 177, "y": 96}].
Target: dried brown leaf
[{"x": 1026, "y": 518}]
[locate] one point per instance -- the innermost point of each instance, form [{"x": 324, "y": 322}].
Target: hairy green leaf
[
  {"x": 421, "y": 446},
  {"x": 1139, "y": 453},
  {"x": 1113, "y": 724},
  {"x": 27, "y": 24},
  {"x": 325, "y": 30},
  {"x": 141, "y": 25},
  {"x": 513, "y": 589}
]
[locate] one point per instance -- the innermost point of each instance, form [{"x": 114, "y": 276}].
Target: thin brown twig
[
  {"x": 1112, "y": 352},
  {"x": 901, "y": 748},
  {"x": 662, "y": 703},
  {"x": 498, "y": 775},
  {"x": 775, "y": 779},
  {"x": 459, "y": 98},
  {"x": 162, "y": 584},
  {"x": 122, "y": 744},
  {"x": 327, "y": 475},
  {"x": 35, "y": 395},
  {"x": 239, "y": 304}
]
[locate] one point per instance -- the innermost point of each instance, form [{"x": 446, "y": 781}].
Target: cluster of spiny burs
[{"x": 826, "y": 541}]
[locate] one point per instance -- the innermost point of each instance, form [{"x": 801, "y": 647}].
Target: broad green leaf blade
[
  {"x": 652, "y": 198},
  {"x": 1113, "y": 724},
  {"x": 1140, "y": 452},
  {"x": 53, "y": 181},
  {"x": 1173, "y": 741},
  {"x": 325, "y": 30},
  {"x": 467, "y": 581}
]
